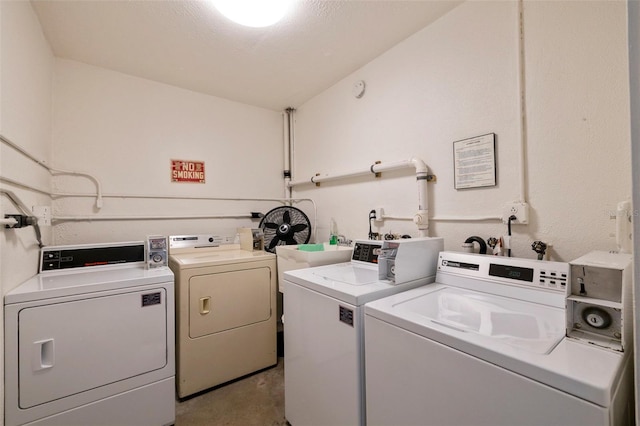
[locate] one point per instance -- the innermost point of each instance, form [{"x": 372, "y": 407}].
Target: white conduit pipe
[
  {"x": 287, "y": 153},
  {"x": 20, "y": 205},
  {"x": 117, "y": 218},
  {"x": 522, "y": 127},
  {"x": 98, "y": 194},
  {"x": 447, "y": 218},
  {"x": 373, "y": 169},
  {"x": 466, "y": 218},
  {"x": 178, "y": 197},
  {"x": 522, "y": 102},
  {"x": 156, "y": 197},
  {"x": 25, "y": 186},
  {"x": 421, "y": 218},
  {"x": 174, "y": 197},
  {"x": 288, "y": 150},
  {"x": 57, "y": 171}
]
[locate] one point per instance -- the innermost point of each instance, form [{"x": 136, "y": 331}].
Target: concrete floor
[{"x": 255, "y": 400}]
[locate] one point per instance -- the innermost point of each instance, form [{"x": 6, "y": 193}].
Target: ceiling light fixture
[{"x": 253, "y": 13}]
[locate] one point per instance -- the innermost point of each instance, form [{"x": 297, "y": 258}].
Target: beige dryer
[{"x": 225, "y": 311}]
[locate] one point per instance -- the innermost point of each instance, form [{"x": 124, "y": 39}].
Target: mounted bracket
[{"x": 378, "y": 174}]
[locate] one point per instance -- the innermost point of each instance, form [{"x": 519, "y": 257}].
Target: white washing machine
[
  {"x": 225, "y": 310},
  {"x": 323, "y": 325},
  {"x": 485, "y": 345},
  {"x": 90, "y": 340}
]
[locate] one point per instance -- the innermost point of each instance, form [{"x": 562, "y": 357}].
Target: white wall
[
  {"x": 125, "y": 130},
  {"x": 26, "y": 66},
  {"x": 458, "y": 78},
  {"x": 634, "y": 83}
]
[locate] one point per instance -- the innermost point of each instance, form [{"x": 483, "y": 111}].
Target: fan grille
[{"x": 285, "y": 226}]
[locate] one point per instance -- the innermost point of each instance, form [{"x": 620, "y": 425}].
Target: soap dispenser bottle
[{"x": 333, "y": 233}]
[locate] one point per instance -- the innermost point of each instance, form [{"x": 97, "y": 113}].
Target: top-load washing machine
[
  {"x": 90, "y": 340},
  {"x": 225, "y": 310},
  {"x": 323, "y": 325},
  {"x": 485, "y": 345}
]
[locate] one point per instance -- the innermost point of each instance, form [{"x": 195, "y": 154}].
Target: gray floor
[{"x": 255, "y": 400}]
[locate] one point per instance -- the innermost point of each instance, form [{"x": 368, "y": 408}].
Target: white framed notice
[{"x": 474, "y": 162}]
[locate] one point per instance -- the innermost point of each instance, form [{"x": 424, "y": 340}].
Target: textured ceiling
[{"x": 190, "y": 45}]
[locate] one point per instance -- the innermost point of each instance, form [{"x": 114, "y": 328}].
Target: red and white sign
[{"x": 187, "y": 171}]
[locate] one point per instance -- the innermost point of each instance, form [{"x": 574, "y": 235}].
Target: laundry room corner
[{"x": 26, "y": 64}]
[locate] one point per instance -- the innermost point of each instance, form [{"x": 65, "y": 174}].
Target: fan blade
[
  {"x": 291, "y": 241},
  {"x": 274, "y": 242},
  {"x": 286, "y": 217},
  {"x": 298, "y": 227},
  {"x": 271, "y": 225}
]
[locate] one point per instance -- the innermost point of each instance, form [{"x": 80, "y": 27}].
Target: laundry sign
[{"x": 187, "y": 171}]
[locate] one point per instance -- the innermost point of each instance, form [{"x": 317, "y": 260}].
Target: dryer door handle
[
  {"x": 205, "y": 305},
  {"x": 43, "y": 354}
]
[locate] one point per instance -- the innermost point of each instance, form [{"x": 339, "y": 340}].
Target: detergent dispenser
[
  {"x": 599, "y": 304},
  {"x": 402, "y": 261}
]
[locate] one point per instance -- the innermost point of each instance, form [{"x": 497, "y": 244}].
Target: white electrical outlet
[
  {"x": 379, "y": 211},
  {"x": 43, "y": 213},
  {"x": 518, "y": 209}
]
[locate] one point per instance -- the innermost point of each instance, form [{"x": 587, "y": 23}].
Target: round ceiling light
[{"x": 253, "y": 13}]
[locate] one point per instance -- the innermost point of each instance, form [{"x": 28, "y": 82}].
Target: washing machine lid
[
  {"x": 349, "y": 274},
  {"x": 491, "y": 320},
  {"x": 521, "y": 336},
  {"x": 351, "y": 283}
]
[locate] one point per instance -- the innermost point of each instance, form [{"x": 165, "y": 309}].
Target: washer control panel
[
  {"x": 528, "y": 273},
  {"x": 90, "y": 255}
]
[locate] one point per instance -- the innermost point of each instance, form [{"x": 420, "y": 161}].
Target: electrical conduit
[{"x": 54, "y": 171}]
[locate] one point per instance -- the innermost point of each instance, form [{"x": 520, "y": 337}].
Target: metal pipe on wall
[
  {"x": 373, "y": 169},
  {"x": 421, "y": 218}
]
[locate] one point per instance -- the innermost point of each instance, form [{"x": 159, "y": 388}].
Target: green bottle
[{"x": 333, "y": 239}]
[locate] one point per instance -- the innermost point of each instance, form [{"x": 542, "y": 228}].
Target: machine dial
[{"x": 596, "y": 317}]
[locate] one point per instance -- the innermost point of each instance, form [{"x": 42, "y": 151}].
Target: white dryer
[
  {"x": 323, "y": 325},
  {"x": 90, "y": 340},
  {"x": 225, "y": 310},
  {"x": 485, "y": 345}
]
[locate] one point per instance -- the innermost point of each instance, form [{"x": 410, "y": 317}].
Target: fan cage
[{"x": 298, "y": 230}]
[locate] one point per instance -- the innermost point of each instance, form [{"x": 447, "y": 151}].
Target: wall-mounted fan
[{"x": 285, "y": 226}]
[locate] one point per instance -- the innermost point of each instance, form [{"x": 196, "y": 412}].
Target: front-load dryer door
[
  {"x": 70, "y": 347},
  {"x": 227, "y": 300}
]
